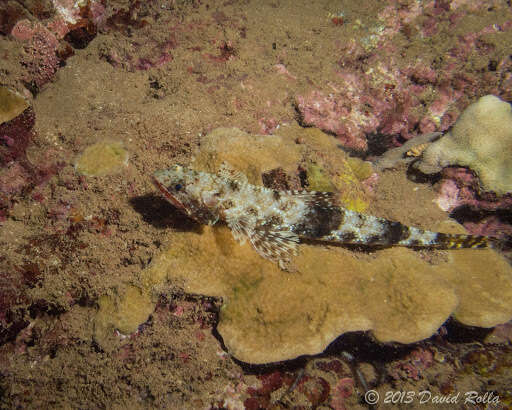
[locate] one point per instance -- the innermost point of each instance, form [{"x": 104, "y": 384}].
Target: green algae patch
[
  {"x": 11, "y": 104},
  {"x": 352, "y": 196},
  {"x": 347, "y": 183},
  {"x": 102, "y": 158},
  {"x": 329, "y": 168},
  {"x": 362, "y": 169},
  {"x": 318, "y": 180}
]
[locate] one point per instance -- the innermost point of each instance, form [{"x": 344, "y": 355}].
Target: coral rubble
[{"x": 482, "y": 213}]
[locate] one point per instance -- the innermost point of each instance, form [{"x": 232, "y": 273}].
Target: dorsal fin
[
  {"x": 322, "y": 199},
  {"x": 226, "y": 170}
]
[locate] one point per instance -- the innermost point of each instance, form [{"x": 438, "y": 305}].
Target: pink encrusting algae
[{"x": 376, "y": 93}]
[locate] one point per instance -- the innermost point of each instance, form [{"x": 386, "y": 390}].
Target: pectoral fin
[
  {"x": 274, "y": 242},
  {"x": 239, "y": 229}
]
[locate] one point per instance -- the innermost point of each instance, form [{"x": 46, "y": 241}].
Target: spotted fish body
[{"x": 275, "y": 221}]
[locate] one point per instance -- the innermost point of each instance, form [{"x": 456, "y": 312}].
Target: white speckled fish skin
[{"x": 275, "y": 221}]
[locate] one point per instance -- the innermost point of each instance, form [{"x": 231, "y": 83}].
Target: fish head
[
  {"x": 184, "y": 188},
  {"x": 173, "y": 183}
]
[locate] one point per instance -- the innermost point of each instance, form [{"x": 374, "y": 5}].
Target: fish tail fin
[{"x": 462, "y": 241}]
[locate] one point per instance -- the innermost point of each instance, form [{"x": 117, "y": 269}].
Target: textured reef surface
[
  {"x": 270, "y": 315},
  {"x": 111, "y": 297}
]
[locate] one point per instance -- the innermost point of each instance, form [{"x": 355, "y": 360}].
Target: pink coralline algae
[
  {"x": 343, "y": 390},
  {"x": 13, "y": 180},
  {"x": 331, "y": 114},
  {"x": 490, "y": 225},
  {"x": 41, "y": 46},
  {"x": 270, "y": 382},
  {"x": 15, "y": 136},
  {"x": 459, "y": 187},
  {"x": 17, "y": 174},
  {"x": 385, "y": 102},
  {"x": 414, "y": 365},
  {"x": 155, "y": 54},
  {"x": 459, "y": 190},
  {"x": 501, "y": 334},
  {"x": 375, "y": 93},
  {"x": 267, "y": 125},
  {"x": 144, "y": 50},
  {"x": 44, "y": 43}
]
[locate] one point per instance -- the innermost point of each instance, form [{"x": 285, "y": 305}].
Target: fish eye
[{"x": 178, "y": 187}]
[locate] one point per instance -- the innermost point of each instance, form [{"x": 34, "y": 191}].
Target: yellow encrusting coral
[
  {"x": 270, "y": 315},
  {"x": 102, "y": 158},
  {"x": 481, "y": 140},
  {"x": 124, "y": 311},
  {"x": 482, "y": 281},
  {"x": 362, "y": 169},
  {"x": 11, "y": 104}
]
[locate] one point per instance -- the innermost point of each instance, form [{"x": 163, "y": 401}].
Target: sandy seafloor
[{"x": 227, "y": 69}]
